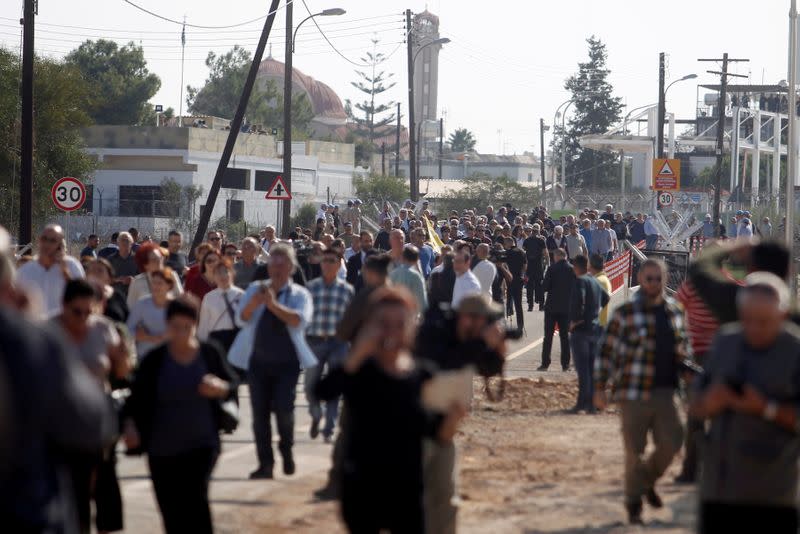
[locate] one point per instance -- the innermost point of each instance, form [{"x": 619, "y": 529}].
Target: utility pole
[
  {"x": 412, "y": 163},
  {"x": 723, "y": 93},
  {"x": 441, "y": 145},
  {"x": 287, "y": 121},
  {"x": 397, "y": 143},
  {"x": 542, "y": 129},
  {"x": 791, "y": 149},
  {"x": 183, "y": 51},
  {"x": 236, "y": 126},
  {"x": 662, "y": 106},
  {"x": 26, "y": 164}
]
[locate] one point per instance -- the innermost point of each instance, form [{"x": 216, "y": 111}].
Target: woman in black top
[
  {"x": 442, "y": 283},
  {"x": 382, "y": 484},
  {"x": 174, "y": 415}
]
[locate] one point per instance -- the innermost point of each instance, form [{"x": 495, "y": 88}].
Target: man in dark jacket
[
  {"x": 356, "y": 261},
  {"x": 584, "y": 326},
  {"x": 558, "y": 283}
]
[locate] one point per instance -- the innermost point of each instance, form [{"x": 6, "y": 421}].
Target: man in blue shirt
[
  {"x": 586, "y": 232},
  {"x": 426, "y": 259},
  {"x": 90, "y": 249}
]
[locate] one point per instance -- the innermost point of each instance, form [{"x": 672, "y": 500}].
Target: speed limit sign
[
  {"x": 68, "y": 194},
  {"x": 665, "y": 198}
]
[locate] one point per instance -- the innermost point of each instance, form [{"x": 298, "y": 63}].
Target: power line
[
  {"x": 181, "y": 23},
  {"x": 314, "y": 20}
]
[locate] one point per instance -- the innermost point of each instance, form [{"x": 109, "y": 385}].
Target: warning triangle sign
[
  {"x": 278, "y": 190},
  {"x": 666, "y": 170}
]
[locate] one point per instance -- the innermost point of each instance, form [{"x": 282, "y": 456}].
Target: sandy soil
[{"x": 525, "y": 467}]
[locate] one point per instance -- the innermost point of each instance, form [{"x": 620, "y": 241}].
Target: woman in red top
[
  {"x": 203, "y": 283},
  {"x": 199, "y": 255}
]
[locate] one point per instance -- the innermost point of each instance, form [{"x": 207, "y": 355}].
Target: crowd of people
[{"x": 140, "y": 344}]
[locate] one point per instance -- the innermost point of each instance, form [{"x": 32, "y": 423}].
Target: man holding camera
[
  {"x": 517, "y": 265},
  {"x": 472, "y": 336}
]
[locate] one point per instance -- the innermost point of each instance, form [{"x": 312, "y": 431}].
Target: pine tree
[
  {"x": 374, "y": 122},
  {"x": 595, "y": 111}
]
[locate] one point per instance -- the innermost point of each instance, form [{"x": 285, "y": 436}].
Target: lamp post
[
  {"x": 791, "y": 148},
  {"x": 662, "y": 110},
  {"x": 286, "y": 205},
  {"x": 542, "y": 129},
  {"x": 412, "y": 57}
]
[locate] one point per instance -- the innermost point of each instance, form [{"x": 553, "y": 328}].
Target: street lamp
[
  {"x": 687, "y": 77},
  {"x": 332, "y": 12},
  {"x": 286, "y": 205},
  {"x": 412, "y": 167},
  {"x": 662, "y": 110}
]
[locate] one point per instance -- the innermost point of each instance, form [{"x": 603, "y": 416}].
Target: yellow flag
[{"x": 436, "y": 241}]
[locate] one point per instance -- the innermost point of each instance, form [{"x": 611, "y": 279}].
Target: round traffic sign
[
  {"x": 665, "y": 198},
  {"x": 68, "y": 194}
]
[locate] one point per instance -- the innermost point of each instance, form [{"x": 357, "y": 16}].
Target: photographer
[{"x": 470, "y": 336}]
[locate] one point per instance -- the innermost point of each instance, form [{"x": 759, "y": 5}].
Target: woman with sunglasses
[
  {"x": 202, "y": 284},
  {"x": 174, "y": 415},
  {"x": 147, "y": 320},
  {"x": 149, "y": 258}
]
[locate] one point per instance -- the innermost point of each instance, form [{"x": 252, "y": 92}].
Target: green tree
[
  {"x": 220, "y": 95},
  {"x": 375, "y": 121},
  {"x": 461, "y": 140},
  {"x": 61, "y": 99},
  {"x": 304, "y": 217},
  {"x": 596, "y": 110},
  {"x": 481, "y": 190},
  {"x": 121, "y": 85},
  {"x": 376, "y": 189}
]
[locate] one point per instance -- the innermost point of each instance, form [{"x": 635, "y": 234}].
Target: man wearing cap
[
  {"x": 472, "y": 336},
  {"x": 750, "y": 391},
  {"x": 707, "y": 231}
]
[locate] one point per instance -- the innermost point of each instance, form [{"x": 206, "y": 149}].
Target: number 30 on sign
[
  {"x": 68, "y": 194},
  {"x": 665, "y": 199}
]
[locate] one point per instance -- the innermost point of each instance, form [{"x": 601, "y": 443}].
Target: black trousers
[
  {"x": 367, "y": 510},
  {"x": 181, "y": 487},
  {"x": 726, "y": 518},
  {"x": 514, "y": 298},
  {"x": 272, "y": 393},
  {"x": 107, "y": 497},
  {"x": 534, "y": 286},
  {"x": 551, "y": 319}
]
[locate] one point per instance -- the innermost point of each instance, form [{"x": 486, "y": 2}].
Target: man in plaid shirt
[
  {"x": 640, "y": 353},
  {"x": 331, "y": 295}
]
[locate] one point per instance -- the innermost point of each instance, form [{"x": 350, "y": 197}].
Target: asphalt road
[{"x": 232, "y": 492}]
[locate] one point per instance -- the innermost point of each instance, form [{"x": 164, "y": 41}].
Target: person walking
[
  {"x": 584, "y": 327},
  {"x": 202, "y": 283},
  {"x": 245, "y": 269},
  {"x": 149, "y": 259},
  {"x": 558, "y": 283},
  {"x": 331, "y": 295},
  {"x": 124, "y": 262},
  {"x": 641, "y": 351},
  {"x": 576, "y": 244},
  {"x": 174, "y": 416},
  {"x": 466, "y": 283},
  {"x": 535, "y": 247},
  {"x": 749, "y": 391},
  {"x": 218, "y": 309},
  {"x": 517, "y": 266},
  {"x": 483, "y": 269},
  {"x": 147, "y": 321},
  {"x": 596, "y": 266},
  {"x": 382, "y": 486},
  {"x": 272, "y": 347},
  {"x": 406, "y": 274}
]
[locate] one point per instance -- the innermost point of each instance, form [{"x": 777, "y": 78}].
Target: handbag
[{"x": 226, "y": 337}]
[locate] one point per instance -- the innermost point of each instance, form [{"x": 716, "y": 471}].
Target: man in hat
[
  {"x": 707, "y": 231},
  {"x": 472, "y": 336}
]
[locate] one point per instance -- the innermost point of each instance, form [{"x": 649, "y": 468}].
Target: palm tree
[{"x": 462, "y": 140}]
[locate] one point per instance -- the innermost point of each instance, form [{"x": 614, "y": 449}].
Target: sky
[{"x": 504, "y": 68}]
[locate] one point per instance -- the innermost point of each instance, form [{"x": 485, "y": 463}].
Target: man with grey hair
[
  {"x": 272, "y": 347},
  {"x": 406, "y": 274},
  {"x": 245, "y": 269},
  {"x": 750, "y": 391},
  {"x": 123, "y": 262},
  {"x": 45, "y": 277}
]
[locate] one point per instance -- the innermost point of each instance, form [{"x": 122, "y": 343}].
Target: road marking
[{"x": 523, "y": 350}]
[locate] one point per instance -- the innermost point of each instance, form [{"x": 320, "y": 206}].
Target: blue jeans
[
  {"x": 330, "y": 353},
  {"x": 650, "y": 242},
  {"x": 584, "y": 345},
  {"x": 272, "y": 392}
]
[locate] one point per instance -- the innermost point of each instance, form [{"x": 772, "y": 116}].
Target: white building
[{"x": 134, "y": 162}]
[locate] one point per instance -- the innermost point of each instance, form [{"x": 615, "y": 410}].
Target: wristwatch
[{"x": 770, "y": 411}]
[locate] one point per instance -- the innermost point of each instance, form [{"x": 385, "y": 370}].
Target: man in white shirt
[
  {"x": 484, "y": 270},
  {"x": 269, "y": 238},
  {"x": 45, "y": 277},
  {"x": 466, "y": 282},
  {"x": 353, "y": 249}
]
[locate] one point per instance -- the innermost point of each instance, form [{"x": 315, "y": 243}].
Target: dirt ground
[{"x": 525, "y": 467}]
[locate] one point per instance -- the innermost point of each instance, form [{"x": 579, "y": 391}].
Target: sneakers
[
  {"x": 326, "y": 493},
  {"x": 262, "y": 473},
  {"x": 542, "y": 368},
  {"x": 328, "y": 438}
]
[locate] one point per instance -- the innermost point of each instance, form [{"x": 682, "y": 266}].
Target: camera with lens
[{"x": 498, "y": 256}]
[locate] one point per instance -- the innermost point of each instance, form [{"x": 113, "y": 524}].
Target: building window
[
  {"x": 234, "y": 210},
  {"x": 530, "y": 176},
  {"x": 264, "y": 179},
  {"x": 426, "y": 67},
  {"x": 235, "y": 179},
  {"x": 425, "y": 89},
  {"x": 141, "y": 201},
  {"x": 425, "y": 110}
]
